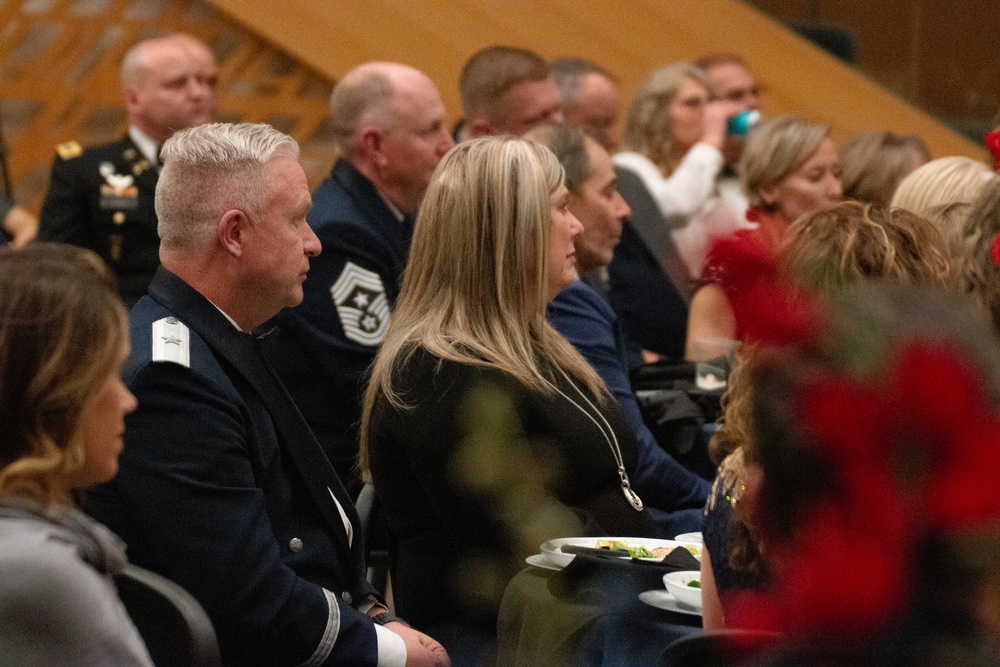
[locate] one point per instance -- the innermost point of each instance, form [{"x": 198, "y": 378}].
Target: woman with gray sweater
[{"x": 63, "y": 340}]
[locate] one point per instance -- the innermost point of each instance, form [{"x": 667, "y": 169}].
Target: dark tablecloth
[{"x": 543, "y": 623}]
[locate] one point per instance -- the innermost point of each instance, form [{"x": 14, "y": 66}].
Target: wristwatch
[{"x": 385, "y": 618}]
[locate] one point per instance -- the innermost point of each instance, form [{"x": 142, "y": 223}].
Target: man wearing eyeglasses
[{"x": 732, "y": 81}]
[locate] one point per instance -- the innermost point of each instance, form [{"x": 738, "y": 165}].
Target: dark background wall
[{"x": 941, "y": 55}]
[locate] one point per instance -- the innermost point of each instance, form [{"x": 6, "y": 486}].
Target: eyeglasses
[{"x": 743, "y": 94}]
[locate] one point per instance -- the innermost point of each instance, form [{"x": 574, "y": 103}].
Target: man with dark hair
[
  {"x": 221, "y": 485},
  {"x": 731, "y": 80},
  {"x": 101, "y": 198},
  {"x": 507, "y": 90},
  {"x": 389, "y": 128},
  {"x": 590, "y": 99},
  {"x": 674, "y": 496}
]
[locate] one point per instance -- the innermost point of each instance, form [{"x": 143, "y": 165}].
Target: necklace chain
[{"x": 609, "y": 436}]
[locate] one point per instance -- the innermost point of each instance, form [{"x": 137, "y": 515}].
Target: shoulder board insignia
[
  {"x": 69, "y": 150},
  {"x": 361, "y": 305},
  {"x": 171, "y": 342}
]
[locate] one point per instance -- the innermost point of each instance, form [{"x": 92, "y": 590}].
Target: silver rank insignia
[
  {"x": 361, "y": 305},
  {"x": 172, "y": 342}
]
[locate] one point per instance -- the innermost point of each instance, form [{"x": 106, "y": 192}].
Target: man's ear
[
  {"x": 131, "y": 100},
  {"x": 231, "y": 231},
  {"x": 370, "y": 143}
]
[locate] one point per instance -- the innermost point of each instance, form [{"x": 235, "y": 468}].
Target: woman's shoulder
[
  {"x": 44, "y": 568},
  {"x": 46, "y": 577},
  {"x": 423, "y": 374}
]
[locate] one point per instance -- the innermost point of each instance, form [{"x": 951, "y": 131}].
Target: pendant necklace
[{"x": 609, "y": 436}]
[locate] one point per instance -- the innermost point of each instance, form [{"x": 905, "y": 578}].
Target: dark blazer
[
  {"x": 478, "y": 473},
  {"x": 324, "y": 347},
  {"x": 84, "y": 207},
  {"x": 649, "y": 289},
  {"x": 587, "y": 321},
  {"x": 223, "y": 489}
]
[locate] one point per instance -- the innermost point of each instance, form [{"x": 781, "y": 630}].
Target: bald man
[
  {"x": 101, "y": 198},
  {"x": 389, "y": 127}
]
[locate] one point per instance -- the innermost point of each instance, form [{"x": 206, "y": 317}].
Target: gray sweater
[{"x": 58, "y": 602}]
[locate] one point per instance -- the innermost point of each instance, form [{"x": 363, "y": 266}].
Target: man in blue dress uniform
[{"x": 222, "y": 487}]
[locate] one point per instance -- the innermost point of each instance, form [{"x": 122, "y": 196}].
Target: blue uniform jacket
[
  {"x": 324, "y": 347},
  {"x": 223, "y": 489},
  {"x": 585, "y": 319}
]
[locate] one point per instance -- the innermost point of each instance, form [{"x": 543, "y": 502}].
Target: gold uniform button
[{"x": 118, "y": 218}]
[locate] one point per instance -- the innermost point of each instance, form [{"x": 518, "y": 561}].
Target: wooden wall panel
[
  {"x": 629, "y": 37},
  {"x": 59, "y": 79},
  {"x": 59, "y": 59}
]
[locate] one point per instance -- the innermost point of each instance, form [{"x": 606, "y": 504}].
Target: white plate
[
  {"x": 551, "y": 549},
  {"x": 678, "y": 585},
  {"x": 539, "y": 560},
  {"x": 694, "y": 538},
  {"x": 664, "y": 600}
]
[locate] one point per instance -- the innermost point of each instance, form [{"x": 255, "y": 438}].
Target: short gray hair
[
  {"x": 569, "y": 72},
  {"x": 210, "y": 169},
  {"x": 363, "y": 93},
  {"x": 570, "y": 147}
]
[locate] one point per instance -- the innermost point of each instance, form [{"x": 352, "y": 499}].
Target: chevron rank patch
[
  {"x": 361, "y": 305},
  {"x": 172, "y": 342}
]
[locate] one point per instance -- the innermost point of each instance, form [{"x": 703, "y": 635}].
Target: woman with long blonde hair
[
  {"x": 484, "y": 431},
  {"x": 63, "y": 340}
]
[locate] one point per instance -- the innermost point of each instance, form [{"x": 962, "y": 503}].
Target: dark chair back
[
  {"x": 719, "y": 648},
  {"x": 175, "y": 628},
  {"x": 376, "y": 539}
]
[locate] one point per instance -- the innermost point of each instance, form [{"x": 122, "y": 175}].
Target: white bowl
[
  {"x": 677, "y": 584},
  {"x": 695, "y": 538}
]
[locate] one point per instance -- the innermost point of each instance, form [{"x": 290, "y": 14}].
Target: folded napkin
[{"x": 616, "y": 581}]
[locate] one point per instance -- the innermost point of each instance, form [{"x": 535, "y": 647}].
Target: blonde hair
[
  {"x": 63, "y": 329},
  {"x": 978, "y": 272},
  {"x": 774, "y": 150},
  {"x": 648, "y": 129},
  {"x": 850, "y": 241},
  {"x": 873, "y": 164},
  {"x": 475, "y": 286},
  {"x": 941, "y": 191}
]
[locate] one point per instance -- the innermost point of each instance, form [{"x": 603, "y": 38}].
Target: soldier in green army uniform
[{"x": 101, "y": 197}]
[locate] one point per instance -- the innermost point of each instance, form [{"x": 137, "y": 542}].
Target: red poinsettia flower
[
  {"x": 992, "y": 140},
  {"x": 926, "y": 422},
  {"x": 911, "y": 453},
  {"x": 768, "y": 309},
  {"x": 995, "y": 250},
  {"x": 840, "y": 574}
]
